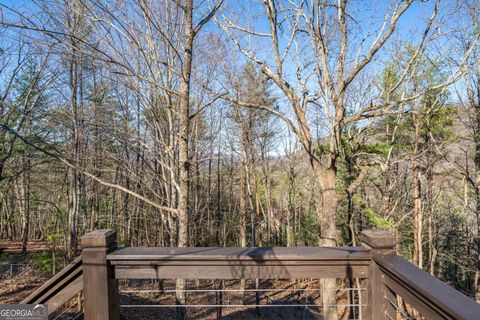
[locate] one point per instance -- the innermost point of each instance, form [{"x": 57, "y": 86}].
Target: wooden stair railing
[
  {"x": 430, "y": 297},
  {"x": 392, "y": 279},
  {"x": 60, "y": 288}
]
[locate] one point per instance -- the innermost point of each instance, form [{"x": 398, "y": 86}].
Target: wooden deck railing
[
  {"x": 395, "y": 289},
  {"x": 60, "y": 288}
]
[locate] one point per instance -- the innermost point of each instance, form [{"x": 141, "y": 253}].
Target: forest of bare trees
[{"x": 244, "y": 123}]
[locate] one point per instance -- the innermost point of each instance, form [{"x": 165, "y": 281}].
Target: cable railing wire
[
  {"x": 398, "y": 311},
  {"x": 297, "y": 298},
  {"x": 236, "y": 305},
  {"x": 236, "y": 290}
]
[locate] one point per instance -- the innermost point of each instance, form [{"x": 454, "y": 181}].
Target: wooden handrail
[
  {"x": 240, "y": 263},
  {"x": 433, "y": 298},
  {"x": 60, "y": 288},
  {"x": 241, "y": 253}
]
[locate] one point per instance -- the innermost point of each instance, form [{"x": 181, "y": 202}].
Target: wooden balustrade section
[
  {"x": 385, "y": 274},
  {"x": 240, "y": 263}
]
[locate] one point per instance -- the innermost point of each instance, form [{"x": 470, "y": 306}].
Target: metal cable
[
  {"x": 397, "y": 309},
  {"x": 234, "y": 290},
  {"x": 235, "y": 305}
]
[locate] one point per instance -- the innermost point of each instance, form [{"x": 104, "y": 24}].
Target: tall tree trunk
[
  {"x": 432, "y": 251},
  {"x": 243, "y": 207},
  {"x": 183, "y": 157},
  {"x": 22, "y": 190},
  {"x": 184, "y": 124},
  {"x": 477, "y": 193},
  {"x": 326, "y": 213},
  {"x": 75, "y": 24},
  {"x": 73, "y": 195},
  {"x": 292, "y": 198},
  {"x": 271, "y": 229},
  {"x": 243, "y": 217},
  {"x": 417, "y": 201},
  {"x": 26, "y": 204}
]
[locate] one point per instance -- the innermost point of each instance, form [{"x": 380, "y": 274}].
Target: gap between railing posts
[
  {"x": 100, "y": 288},
  {"x": 380, "y": 243}
]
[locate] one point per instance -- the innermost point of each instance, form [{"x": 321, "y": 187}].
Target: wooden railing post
[
  {"x": 100, "y": 288},
  {"x": 380, "y": 243}
]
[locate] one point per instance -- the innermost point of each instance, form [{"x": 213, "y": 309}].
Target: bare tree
[{"x": 335, "y": 62}]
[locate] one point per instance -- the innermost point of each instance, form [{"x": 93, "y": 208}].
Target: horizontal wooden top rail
[
  {"x": 240, "y": 263},
  {"x": 433, "y": 298},
  {"x": 240, "y": 253}
]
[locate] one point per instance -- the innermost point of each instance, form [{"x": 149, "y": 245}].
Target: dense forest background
[{"x": 244, "y": 123}]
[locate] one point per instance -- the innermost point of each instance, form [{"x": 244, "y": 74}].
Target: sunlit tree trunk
[
  {"x": 417, "y": 200},
  {"x": 183, "y": 157}
]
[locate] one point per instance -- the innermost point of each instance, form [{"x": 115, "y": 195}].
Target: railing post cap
[
  {"x": 99, "y": 238},
  {"x": 379, "y": 239}
]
